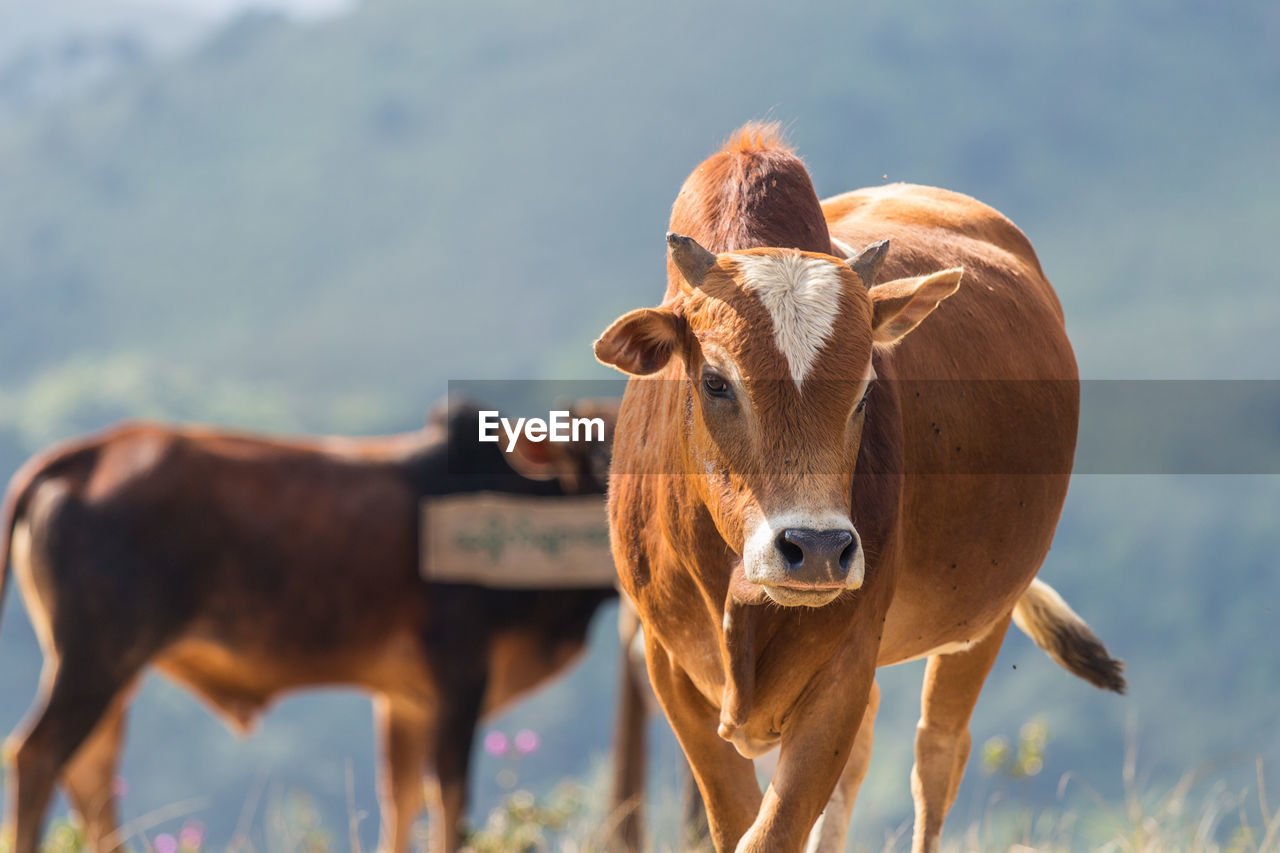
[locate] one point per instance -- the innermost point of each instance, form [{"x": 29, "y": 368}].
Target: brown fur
[
  {"x": 948, "y": 551},
  {"x": 753, "y": 192}
]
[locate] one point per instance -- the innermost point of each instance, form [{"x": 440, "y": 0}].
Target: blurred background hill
[{"x": 309, "y": 217}]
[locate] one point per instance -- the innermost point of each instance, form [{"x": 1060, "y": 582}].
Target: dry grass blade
[
  {"x": 1262, "y": 794},
  {"x": 353, "y": 817},
  {"x": 139, "y": 825},
  {"x": 240, "y": 838}
]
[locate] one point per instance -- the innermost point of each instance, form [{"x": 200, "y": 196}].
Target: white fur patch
[
  {"x": 944, "y": 649},
  {"x": 802, "y": 296},
  {"x": 763, "y": 563}
]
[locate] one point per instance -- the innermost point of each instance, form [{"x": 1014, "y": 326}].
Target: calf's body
[{"x": 243, "y": 567}]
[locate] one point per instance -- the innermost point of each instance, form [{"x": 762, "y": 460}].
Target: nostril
[
  {"x": 792, "y": 553},
  {"x": 846, "y": 556}
]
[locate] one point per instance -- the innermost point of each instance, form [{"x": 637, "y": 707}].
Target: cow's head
[
  {"x": 582, "y": 466},
  {"x": 773, "y": 352}
]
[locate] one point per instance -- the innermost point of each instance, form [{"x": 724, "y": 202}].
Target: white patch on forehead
[{"x": 802, "y": 296}]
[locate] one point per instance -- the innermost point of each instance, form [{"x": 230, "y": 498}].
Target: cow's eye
[
  {"x": 862, "y": 404},
  {"x": 715, "y": 385}
]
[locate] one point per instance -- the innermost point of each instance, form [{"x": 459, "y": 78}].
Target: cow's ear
[
  {"x": 537, "y": 460},
  {"x": 641, "y": 342},
  {"x": 898, "y": 306}
]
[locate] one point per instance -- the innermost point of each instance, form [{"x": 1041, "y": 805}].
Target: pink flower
[
  {"x": 496, "y": 744},
  {"x": 191, "y": 836},
  {"x": 165, "y": 843},
  {"x": 526, "y": 742}
]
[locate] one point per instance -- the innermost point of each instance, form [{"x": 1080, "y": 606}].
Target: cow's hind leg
[
  {"x": 89, "y": 776},
  {"x": 951, "y": 687},
  {"x": 69, "y": 710},
  {"x": 403, "y": 733},
  {"x": 828, "y": 834}
]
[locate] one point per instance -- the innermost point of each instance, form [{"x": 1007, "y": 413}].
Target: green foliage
[
  {"x": 295, "y": 825},
  {"x": 83, "y": 394},
  {"x": 62, "y": 837},
  {"x": 1025, "y": 758},
  {"x": 361, "y": 206},
  {"x": 523, "y": 823}
]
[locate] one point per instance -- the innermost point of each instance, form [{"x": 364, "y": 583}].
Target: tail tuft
[{"x": 1051, "y": 623}]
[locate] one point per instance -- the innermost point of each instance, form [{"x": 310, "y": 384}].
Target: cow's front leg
[
  {"x": 816, "y": 746},
  {"x": 828, "y": 834},
  {"x": 726, "y": 779}
]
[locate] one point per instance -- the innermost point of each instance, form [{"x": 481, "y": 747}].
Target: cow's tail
[{"x": 1048, "y": 620}]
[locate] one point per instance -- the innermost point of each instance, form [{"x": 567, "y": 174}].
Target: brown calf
[
  {"x": 243, "y": 566},
  {"x": 789, "y": 513}
]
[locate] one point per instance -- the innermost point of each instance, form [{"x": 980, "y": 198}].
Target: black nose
[{"x": 817, "y": 556}]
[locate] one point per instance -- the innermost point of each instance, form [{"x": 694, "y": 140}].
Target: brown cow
[
  {"x": 787, "y": 515},
  {"x": 244, "y": 566}
]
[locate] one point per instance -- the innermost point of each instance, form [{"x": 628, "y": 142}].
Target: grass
[{"x": 1195, "y": 815}]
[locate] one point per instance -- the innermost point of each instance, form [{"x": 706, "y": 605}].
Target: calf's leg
[
  {"x": 448, "y": 763},
  {"x": 951, "y": 687},
  {"x": 89, "y": 775},
  {"x": 403, "y": 733},
  {"x": 67, "y": 712}
]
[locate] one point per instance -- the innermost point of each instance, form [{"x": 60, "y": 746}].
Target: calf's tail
[
  {"x": 8, "y": 513},
  {"x": 1050, "y": 622},
  {"x": 10, "y": 510}
]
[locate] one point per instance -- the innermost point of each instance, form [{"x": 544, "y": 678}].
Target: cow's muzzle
[
  {"x": 804, "y": 559},
  {"x": 817, "y": 558}
]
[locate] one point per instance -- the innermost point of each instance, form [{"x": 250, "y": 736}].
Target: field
[{"x": 1199, "y": 814}]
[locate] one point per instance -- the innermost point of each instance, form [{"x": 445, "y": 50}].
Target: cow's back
[{"x": 989, "y": 398}]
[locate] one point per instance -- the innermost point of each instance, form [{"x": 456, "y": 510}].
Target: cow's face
[{"x": 774, "y": 352}]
